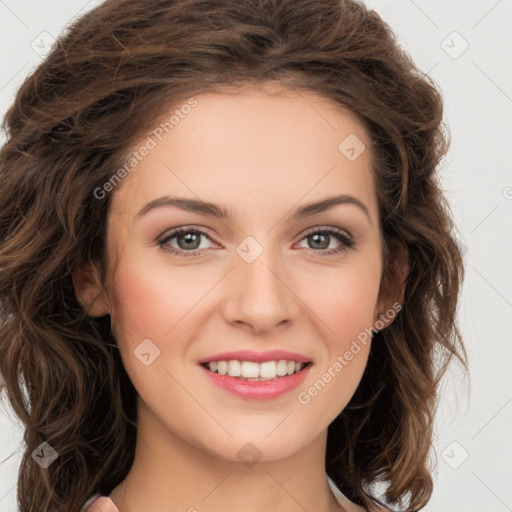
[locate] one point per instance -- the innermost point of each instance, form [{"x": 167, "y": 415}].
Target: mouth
[
  {"x": 253, "y": 380},
  {"x": 253, "y": 371}
]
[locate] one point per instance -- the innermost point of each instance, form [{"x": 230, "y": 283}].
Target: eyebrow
[{"x": 214, "y": 210}]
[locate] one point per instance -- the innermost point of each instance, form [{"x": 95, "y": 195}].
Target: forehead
[{"x": 258, "y": 146}]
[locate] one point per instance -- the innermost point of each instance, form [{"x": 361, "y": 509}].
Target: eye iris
[
  {"x": 189, "y": 237},
  {"x": 315, "y": 237}
]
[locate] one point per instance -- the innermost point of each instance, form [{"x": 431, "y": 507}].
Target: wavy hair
[{"x": 75, "y": 118}]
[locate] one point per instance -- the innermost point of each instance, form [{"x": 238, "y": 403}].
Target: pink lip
[
  {"x": 257, "y": 357},
  {"x": 257, "y": 390}
]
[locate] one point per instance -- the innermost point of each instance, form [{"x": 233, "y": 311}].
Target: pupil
[
  {"x": 189, "y": 237},
  {"x": 315, "y": 238}
]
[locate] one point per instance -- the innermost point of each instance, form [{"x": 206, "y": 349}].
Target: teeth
[
  {"x": 250, "y": 370},
  {"x": 267, "y": 370},
  {"x": 234, "y": 368},
  {"x": 222, "y": 367}
]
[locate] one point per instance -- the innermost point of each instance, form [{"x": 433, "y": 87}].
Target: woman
[{"x": 288, "y": 149}]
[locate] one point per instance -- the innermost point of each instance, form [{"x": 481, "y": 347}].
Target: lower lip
[{"x": 258, "y": 390}]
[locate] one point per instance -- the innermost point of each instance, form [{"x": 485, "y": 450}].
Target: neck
[{"x": 169, "y": 474}]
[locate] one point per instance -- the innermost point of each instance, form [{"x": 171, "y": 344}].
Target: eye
[
  {"x": 187, "y": 239},
  {"x": 321, "y": 238}
]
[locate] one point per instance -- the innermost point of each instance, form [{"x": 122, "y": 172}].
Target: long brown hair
[{"x": 72, "y": 124}]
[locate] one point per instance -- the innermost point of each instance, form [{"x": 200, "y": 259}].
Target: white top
[
  {"x": 340, "y": 497},
  {"x": 343, "y": 500}
]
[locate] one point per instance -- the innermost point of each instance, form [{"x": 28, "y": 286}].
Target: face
[{"x": 262, "y": 277}]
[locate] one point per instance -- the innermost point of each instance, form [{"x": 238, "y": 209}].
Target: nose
[{"x": 259, "y": 295}]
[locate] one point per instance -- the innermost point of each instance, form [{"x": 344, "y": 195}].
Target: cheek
[
  {"x": 145, "y": 308},
  {"x": 346, "y": 311},
  {"x": 148, "y": 304},
  {"x": 153, "y": 303},
  {"x": 344, "y": 300},
  {"x": 136, "y": 307}
]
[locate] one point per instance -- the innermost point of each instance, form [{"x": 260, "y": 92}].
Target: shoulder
[{"x": 100, "y": 504}]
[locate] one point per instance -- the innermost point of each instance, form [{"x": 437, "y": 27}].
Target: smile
[
  {"x": 256, "y": 388},
  {"x": 253, "y": 371}
]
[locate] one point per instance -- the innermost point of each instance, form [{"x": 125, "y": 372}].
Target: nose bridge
[{"x": 260, "y": 295}]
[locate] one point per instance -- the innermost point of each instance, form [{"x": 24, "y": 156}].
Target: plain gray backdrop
[{"x": 467, "y": 48}]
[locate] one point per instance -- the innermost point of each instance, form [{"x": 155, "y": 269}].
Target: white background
[{"x": 475, "y": 416}]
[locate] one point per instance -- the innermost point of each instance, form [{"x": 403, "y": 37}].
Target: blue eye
[{"x": 189, "y": 241}]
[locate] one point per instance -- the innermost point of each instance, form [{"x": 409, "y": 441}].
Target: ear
[
  {"x": 392, "y": 290},
  {"x": 89, "y": 290}
]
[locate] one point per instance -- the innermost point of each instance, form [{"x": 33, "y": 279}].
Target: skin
[{"x": 260, "y": 155}]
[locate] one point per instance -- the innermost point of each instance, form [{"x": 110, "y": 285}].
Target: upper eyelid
[{"x": 171, "y": 233}]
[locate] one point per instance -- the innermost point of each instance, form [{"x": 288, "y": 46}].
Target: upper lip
[{"x": 257, "y": 357}]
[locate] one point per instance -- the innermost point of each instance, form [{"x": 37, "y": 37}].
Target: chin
[{"x": 257, "y": 448}]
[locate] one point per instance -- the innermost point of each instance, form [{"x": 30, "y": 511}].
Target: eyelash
[{"x": 347, "y": 241}]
